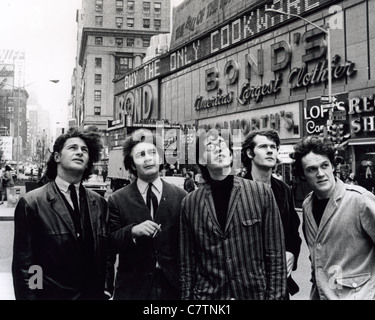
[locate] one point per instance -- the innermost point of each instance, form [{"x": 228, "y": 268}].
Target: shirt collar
[
  {"x": 63, "y": 185},
  {"x": 143, "y": 185}
]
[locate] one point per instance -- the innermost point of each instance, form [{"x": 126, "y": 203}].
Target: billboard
[{"x": 6, "y": 76}]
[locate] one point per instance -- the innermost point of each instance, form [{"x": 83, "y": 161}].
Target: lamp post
[{"x": 328, "y": 54}]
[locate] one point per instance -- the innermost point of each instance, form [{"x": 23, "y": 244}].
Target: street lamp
[
  {"x": 18, "y": 116},
  {"x": 328, "y": 55}
]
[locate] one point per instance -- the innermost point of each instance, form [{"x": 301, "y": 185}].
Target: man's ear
[
  {"x": 56, "y": 157},
  {"x": 248, "y": 153}
]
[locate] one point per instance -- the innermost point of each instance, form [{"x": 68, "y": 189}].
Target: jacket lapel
[
  {"x": 93, "y": 212},
  {"x": 210, "y": 205},
  {"x": 235, "y": 193},
  {"x": 58, "y": 206},
  {"x": 332, "y": 204}
]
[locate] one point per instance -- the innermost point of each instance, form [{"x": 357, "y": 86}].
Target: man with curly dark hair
[{"x": 64, "y": 240}]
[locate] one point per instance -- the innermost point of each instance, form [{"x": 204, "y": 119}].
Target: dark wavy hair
[
  {"x": 249, "y": 144},
  {"x": 94, "y": 144},
  {"x": 313, "y": 144},
  {"x": 138, "y": 136},
  {"x": 200, "y": 148}
]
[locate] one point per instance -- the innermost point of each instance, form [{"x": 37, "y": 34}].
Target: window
[
  {"x": 146, "y": 43},
  {"x": 98, "y": 79},
  {"x": 98, "y": 62},
  {"x": 146, "y": 7},
  {"x": 119, "y": 42},
  {"x": 98, "y": 95},
  {"x": 157, "y": 24},
  {"x": 146, "y": 23},
  {"x": 130, "y": 22},
  {"x": 157, "y": 7},
  {"x": 130, "y": 42},
  {"x": 119, "y": 22},
  {"x": 99, "y": 21},
  {"x": 123, "y": 65},
  {"x": 119, "y": 5},
  {"x": 99, "y": 5},
  {"x": 130, "y": 5},
  {"x": 97, "y": 111},
  {"x": 99, "y": 41}
]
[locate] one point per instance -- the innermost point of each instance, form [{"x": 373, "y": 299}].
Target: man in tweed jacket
[{"x": 231, "y": 238}]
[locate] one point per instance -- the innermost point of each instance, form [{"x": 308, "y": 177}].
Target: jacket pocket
[
  {"x": 250, "y": 222},
  {"x": 353, "y": 282}
]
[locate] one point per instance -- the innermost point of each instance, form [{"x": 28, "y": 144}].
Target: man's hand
[
  {"x": 289, "y": 262},
  {"x": 147, "y": 228}
]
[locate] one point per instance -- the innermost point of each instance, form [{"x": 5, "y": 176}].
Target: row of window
[
  {"x": 120, "y": 42},
  {"x": 129, "y": 22},
  {"x": 130, "y": 6},
  {"x": 123, "y": 64}
]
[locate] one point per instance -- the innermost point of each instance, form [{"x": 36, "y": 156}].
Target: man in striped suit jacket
[{"x": 231, "y": 237}]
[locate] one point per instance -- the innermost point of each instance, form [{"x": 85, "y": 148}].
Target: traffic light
[
  {"x": 333, "y": 130},
  {"x": 340, "y": 131}
]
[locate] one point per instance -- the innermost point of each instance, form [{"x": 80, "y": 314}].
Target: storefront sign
[
  {"x": 316, "y": 114},
  {"x": 284, "y": 119},
  {"x": 139, "y": 103},
  {"x": 362, "y": 116},
  {"x": 193, "y": 17}
]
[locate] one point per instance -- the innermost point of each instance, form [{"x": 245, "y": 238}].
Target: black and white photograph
[{"x": 171, "y": 151}]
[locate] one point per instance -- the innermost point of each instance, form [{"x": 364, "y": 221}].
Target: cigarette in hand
[{"x": 156, "y": 231}]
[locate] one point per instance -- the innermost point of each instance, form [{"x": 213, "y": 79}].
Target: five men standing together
[{"x": 232, "y": 238}]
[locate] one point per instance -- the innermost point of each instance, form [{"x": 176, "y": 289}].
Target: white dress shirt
[{"x": 64, "y": 188}]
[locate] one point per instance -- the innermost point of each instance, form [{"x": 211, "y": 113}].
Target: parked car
[{"x": 96, "y": 184}]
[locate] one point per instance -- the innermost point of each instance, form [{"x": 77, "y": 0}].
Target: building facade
[
  {"x": 232, "y": 65},
  {"x": 113, "y": 37}
]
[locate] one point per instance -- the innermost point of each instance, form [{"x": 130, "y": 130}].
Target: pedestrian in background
[
  {"x": 64, "y": 237},
  {"x": 144, "y": 223},
  {"x": 259, "y": 156},
  {"x": 338, "y": 225},
  {"x": 105, "y": 173},
  {"x": 231, "y": 242},
  {"x": 8, "y": 181},
  {"x": 189, "y": 184}
]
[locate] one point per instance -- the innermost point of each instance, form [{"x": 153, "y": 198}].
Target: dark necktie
[
  {"x": 76, "y": 217},
  {"x": 73, "y": 196},
  {"x": 150, "y": 197}
]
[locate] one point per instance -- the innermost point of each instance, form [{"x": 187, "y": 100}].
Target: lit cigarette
[{"x": 156, "y": 231}]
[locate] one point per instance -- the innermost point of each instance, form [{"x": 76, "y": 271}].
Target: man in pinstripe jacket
[{"x": 231, "y": 237}]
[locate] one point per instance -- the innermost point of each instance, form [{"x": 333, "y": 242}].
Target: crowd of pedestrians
[{"x": 233, "y": 237}]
